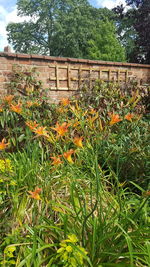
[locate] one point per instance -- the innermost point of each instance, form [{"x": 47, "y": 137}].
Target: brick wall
[{"x": 63, "y": 76}]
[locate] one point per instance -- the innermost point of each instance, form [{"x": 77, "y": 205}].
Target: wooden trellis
[{"x": 72, "y": 77}]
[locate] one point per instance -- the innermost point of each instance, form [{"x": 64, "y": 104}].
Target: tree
[
  {"x": 133, "y": 26},
  {"x": 141, "y": 17},
  {"x": 58, "y": 27},
  {"x": 104, "y": 44},
  {"x": 52, "y": 27}
]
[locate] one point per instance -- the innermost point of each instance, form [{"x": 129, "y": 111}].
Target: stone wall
[{"x": 63, "y": 76}]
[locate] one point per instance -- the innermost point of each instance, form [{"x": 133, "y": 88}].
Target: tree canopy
[
  {"x": 71, "y": 28},
  {"x": 133, "y": 28}
]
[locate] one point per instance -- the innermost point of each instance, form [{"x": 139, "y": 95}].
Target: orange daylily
[
  {"x": 78, "y": 141},
  {"x": 75, "y": 124},
  {"x": 67, "y": 155},
  {"x": 65, "y": 101},
  {"x": 35, "y": 193},
  {"x": 41, "y": 131},
  {"x": 3, "y": 144},
  {"x": 146, "y": 194},
  {"x": 92, "y": 111},
  {"x": 30, "y": 104},
  {"x": 129, "y": 116},
  {"x": 32, "y": 124},
  {"x": 114, "y": 118},
  {"x": 61, "y": 129},
  {"x": 16, "y": 108},
  {"x": 8, "y": 98},
  {"x": 92, "y": 119},
  {"x": 56, "y": 160}
]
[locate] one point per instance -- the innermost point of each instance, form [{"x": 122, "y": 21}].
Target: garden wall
[{"x": 63, "y": 76}]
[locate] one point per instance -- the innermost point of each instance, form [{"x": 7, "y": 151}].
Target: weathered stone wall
[{"x": 63, "y": 76}]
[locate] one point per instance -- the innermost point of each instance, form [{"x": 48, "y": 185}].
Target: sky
[{"x": 8, "y": 13}]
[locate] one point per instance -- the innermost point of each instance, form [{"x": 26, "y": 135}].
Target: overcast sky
[{"x": 8, "y": 13}]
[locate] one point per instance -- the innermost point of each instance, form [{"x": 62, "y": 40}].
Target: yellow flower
[
  {"x": 65, "y": 256},
  {"x": 30, "y": 89},
  {"x": 69, "y": 249},
  {"x": 71, "y": 253},
  {"x": 5, "y": 165},
  {"x": 72, "y": 239}
]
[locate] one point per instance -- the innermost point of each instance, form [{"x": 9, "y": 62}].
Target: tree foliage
[
  {"x": 71, "y": 28},
  {"x": 133, "y": 27},
  {"x": 104, "y": 44}
]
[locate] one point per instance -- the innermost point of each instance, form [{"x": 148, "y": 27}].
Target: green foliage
[
  {"x": 24, "y": 81},
  {"x": 65, "y": 28},
  {"x": 133, "y": 29},
  {"x": 104, "y": 44},
  {"x": 76, "y": 192}
]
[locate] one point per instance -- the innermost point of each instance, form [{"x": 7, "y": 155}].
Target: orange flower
[
  {"x": 75, "y": 124},
  {"x": 30, "y": 104},
  {"x": 16, "y": 108},
  {"x": 114, "y": 118},
  {"x": 56, "y": 160},
  {"x": 146, "y": 194},
  {"x": 67, "y": 155},
  {"x": 65, "y": 101},
  {"x": 92, "y": 111},
  {"x": 35, "y": 193},
  {"x": 61, "y": 129},
  {"x": 129, "y": 116},
  {"x": 8, "y": 98},
  {"x": 92, "y": 119},
  {"x": 3, "y": 144},
  {"x": 78, "y": 141},
  {"x": 41, "y": 131},
  {"x": 32, "y": 124}
]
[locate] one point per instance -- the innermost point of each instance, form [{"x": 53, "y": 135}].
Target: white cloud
[
  {"x": 5, "y": 18},
  {"x": 110, "y": 3}
]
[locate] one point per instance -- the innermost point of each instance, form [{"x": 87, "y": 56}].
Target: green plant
[
  {"x": 75, "y": 190},
  {"x": 25, "y": 81}
]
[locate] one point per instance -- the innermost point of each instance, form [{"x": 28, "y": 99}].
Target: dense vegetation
[
  {"x": 69, "y": 28},
  {"x": 133, "y": 29},
  {"x": 74, "y": 28},
  {"x": 74, "y": 178}
]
